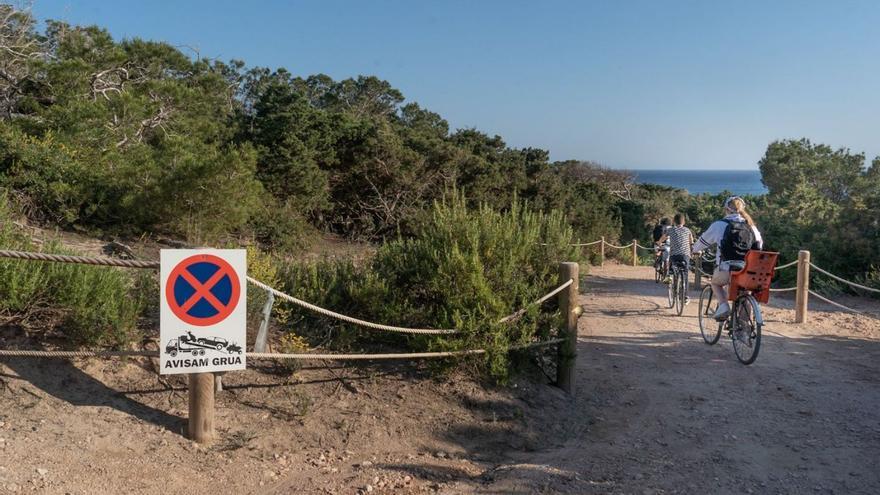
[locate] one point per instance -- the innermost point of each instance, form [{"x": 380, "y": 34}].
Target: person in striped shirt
[{"x": 681, "y": 240}]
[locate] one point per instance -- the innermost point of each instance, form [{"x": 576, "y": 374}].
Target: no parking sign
[{"x": 202, "y": 310}]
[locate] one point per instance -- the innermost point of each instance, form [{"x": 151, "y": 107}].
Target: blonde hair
[{"x": 739, "y": 206}]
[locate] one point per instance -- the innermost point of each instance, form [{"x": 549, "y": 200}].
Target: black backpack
[
  {"x": 658, "y": 232},
  {"x": 737, "y": 241}
]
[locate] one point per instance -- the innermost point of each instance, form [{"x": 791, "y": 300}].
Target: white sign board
[{"x": 202, "y": 310}]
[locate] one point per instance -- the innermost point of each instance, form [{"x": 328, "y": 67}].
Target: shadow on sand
[{"x": 60, "y": 379}]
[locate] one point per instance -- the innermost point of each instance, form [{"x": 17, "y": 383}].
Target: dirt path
[
  {"x": 671, "y": 414},
  {"x": 657, "y": 411}
]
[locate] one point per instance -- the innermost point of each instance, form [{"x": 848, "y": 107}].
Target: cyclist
[
  {"x": 735, "y": 235},
  {"x": 661, "y": 250},
  {"x": 681, "y": 240}
]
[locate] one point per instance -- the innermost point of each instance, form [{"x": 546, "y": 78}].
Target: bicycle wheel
[
  {"x": 670, "y": 292},
  {"x": 746, "y": 333},
  {"x": 680, "y": 291},
  {"x": 657, "y": 275},
  {"x": 709, "y": 328}
]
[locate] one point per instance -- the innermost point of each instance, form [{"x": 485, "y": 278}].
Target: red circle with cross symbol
[{"x": 202, "y": 290}]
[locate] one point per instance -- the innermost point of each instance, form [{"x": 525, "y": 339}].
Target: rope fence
[
  {"x": 82, "y": 260},
  {"x": 618, "y": 247},
  {"x": 272, "y": 355},
  {"x": 74, "y": 354},
  {"x": 795, "y": 262},
  {"x": 116, "y": 262},
  {"x": 839, "y": 279},
  {"x": 349, "y": 319},
  {"x": 203, "y": 385},
  {"x": 106, "y": 261},
  {"x": 517, "y": 314},
  {"x": 829, "y": 301}
]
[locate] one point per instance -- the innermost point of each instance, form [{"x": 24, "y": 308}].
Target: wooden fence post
[
  {"x": 635, "y": 253},
  {"x": 602, "y": 251},
  {"x": 698, "y": 276},
  {"x": 803, "y": 287},
  {"x": 263, "y": 332},
  {"x": 570, "y": 310},
  {"x": 201, "y": 407}
]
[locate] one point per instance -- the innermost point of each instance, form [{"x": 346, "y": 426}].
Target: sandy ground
[{"x": 656, "y": 411}]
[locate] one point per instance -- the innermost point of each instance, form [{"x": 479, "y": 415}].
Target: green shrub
[
  {"x": 90, "y": 305},
  {"x": 464, "y": 269}
]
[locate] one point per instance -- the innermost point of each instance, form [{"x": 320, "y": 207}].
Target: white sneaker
[{"x": 722, "y": 312}]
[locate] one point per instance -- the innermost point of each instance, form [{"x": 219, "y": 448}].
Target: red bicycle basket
[{"x": 755, "y": 277}]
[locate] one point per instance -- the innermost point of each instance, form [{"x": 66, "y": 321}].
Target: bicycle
[
  {"x": 660, "y": 271},
  {"x": 748, "y": 287},
  {"x": 676, "y": 293}
]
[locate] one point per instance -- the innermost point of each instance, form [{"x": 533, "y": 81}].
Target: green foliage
[
  {"x": 790, "y": 165},
  {"x": 128, "y": 136},
  {"x": 134, "y": 136},
  {"x": 464, "y": 269},
  {"x": 824, "y": 201},
  {"x": 89, "y": 305}
]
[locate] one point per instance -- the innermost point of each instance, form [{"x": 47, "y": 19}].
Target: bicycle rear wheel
[
  {"x": 680, "y": 291},
  {"x": 670, "y": 292},
  {"x": 746, "y": 333},
  {"x": 657, "y": 275},
  {"x": 709, "y": 328}
]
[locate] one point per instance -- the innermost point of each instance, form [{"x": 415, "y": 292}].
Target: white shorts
[{"x": 720, "y": 277}]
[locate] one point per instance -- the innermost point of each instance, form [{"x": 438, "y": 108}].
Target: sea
[{"x": 739, "y": 182}]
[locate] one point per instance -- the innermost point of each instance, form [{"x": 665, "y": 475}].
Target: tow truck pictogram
[{"x": 197, "y": 346}]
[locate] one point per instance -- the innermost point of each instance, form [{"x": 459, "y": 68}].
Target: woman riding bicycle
[
  {"x": 681, "y": 240},
  {"x": 734, "y": 235}
]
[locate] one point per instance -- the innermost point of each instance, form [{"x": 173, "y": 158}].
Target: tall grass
[{"x": 87, "y": 304}]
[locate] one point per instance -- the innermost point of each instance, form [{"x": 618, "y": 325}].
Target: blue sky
[{"x": 631, "y": 84}]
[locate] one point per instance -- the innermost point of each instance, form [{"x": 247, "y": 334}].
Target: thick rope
[
  {"x": 363, "y": 357},
  {"x": 83, "y": 260},
  {"x": 349, "y": 319},
  {"x": 75, "y": 354},
  {"x": 617, "y": 247},
  {"x": 787, "y": 289},
  {"x": 835, "y": 277},
  {"x": 406, "y": 355},
  {"x": 272, "y": 355},
  {"x": 577, "y": 244},
  {"x": 643, "y": 247},
  {"x": 795, "y": 262},
  {"x": 542, "y": 300},
  {"x": 829, "y": 301}
]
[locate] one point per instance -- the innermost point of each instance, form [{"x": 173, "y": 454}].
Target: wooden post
[
  {"x": 635, "y": 253},
  {"x": 570, "y": 310},
  {"x": 263, "y": 332},
  {"x": 218, "y": 381},
  {"x": 201, "y": 407},
  {"x": 698, "y": 277},
  {"x": 803, "y": 287},
  {"x": 602, "y": 252}
]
